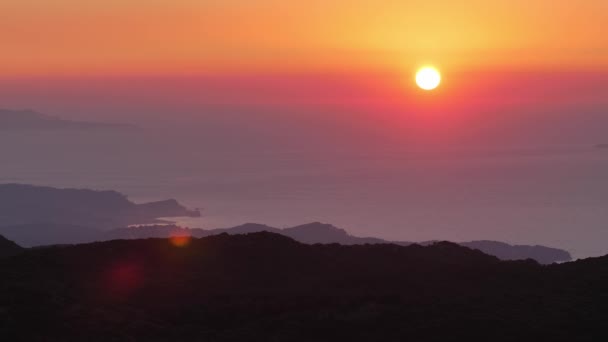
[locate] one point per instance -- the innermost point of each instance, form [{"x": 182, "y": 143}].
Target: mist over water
[{"x": 537, "y": 194}]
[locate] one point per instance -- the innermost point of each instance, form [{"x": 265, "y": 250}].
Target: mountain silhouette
[
  {"x": 321, "y": 233},
  {"x": 36, "y": 216},
  {"x": 317, "y": 232},
  {"x": 20, "y": 120},
  {"x": 8, "y": 247},
  {"x": 542, "y": 254},
  {"x": 43, "y": 234},
  {"x": 268, "y": 287},
  {"x": 27, "y": 204}
]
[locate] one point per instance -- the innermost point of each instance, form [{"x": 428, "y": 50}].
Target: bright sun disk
[{"x": 428, "y": 78}]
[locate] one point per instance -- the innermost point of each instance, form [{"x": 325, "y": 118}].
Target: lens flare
[
  {"x": 123, "y": 278},
  {"x": 180, "y": 240}
]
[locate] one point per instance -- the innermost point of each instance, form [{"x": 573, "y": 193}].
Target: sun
[{"x": 428, "y": 78}]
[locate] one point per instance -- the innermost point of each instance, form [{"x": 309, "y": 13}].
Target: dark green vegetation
[{"x": 267, "y": 287}]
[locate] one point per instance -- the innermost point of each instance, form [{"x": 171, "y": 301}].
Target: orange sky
[{"x": 73, "y": 37}]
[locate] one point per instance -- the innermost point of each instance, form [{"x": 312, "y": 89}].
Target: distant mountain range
[
  {"x": 31, "y": 120},
  {"x": 316, "y": 232},
  {"x": 268, "y": 287},
  {"x": 26, "y": 205},
  {"x": 37, "y": 216},
  {"x": 504, "y": 251}
]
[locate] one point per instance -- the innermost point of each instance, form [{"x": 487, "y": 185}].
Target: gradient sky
[
  {"x": 522, "y": 61},
  {"x": 154, "y": 36}
]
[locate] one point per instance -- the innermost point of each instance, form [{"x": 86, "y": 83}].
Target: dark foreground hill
[
  {"x": 8, "y": 248},
  {"x": 326, "y": 233},
  {"x": 267, "y": 287}
]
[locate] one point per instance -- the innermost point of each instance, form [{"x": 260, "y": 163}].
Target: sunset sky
[
  {"x": 136, "y": 59},
  {"x": 66, "y": 37}
]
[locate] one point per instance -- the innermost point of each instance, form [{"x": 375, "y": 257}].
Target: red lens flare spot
[
  {"x": 124, "y": 278},
  {"x": 180, "y": 240}
]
